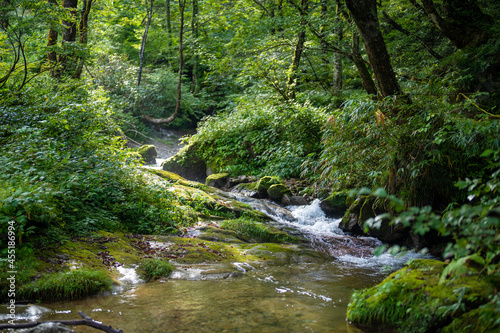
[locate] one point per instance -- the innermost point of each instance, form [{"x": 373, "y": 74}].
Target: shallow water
[
  {"x": 298, "y": 298},
  {"x": 293, "y": 298}
]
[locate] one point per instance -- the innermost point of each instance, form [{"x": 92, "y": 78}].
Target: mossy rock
[
  {"x": 247, "y": 189},
  {"x": 265, "y": 182},
  {"x": 148, "y": 153},
  {"x": 186, "y": 163},
  {"x": 217, "y": 180},
  {"x": 335, "y": 204},
  {"x": 366, "y": 207},
  {"x": 413, "y": 299},
  {"x": 277, "y": 191}
]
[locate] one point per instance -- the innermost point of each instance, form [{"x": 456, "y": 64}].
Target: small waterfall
[
  {"x": 129, "y": 275},
  {"x": 326, "y": 236}
]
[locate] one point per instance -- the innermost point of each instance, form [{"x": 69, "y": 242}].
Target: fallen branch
[{"x": 85, "y": 321}]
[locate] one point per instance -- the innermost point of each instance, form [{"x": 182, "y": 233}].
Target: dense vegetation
[{"x": 400, "y": 95}]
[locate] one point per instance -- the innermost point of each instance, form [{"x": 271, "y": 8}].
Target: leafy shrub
[
  {"x": 260, "y": 137},
  {"x": 157, "y": 268}
]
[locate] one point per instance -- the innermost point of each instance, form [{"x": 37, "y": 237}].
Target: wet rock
[
  {"x": 241, "y": 179},
  {"x": 186, "y": 163},
  {"x": 48, "y": 328},
  {"x": 247, "y": 189},
  {"x": 293, "y": 200},
  {"x": 148, "y": 153},
  {"x": 335, "y": 204},
  {"x": 277, "y": 191},
  {"x": 218, "y": 180},
  {"x": 264, "y": 183}
]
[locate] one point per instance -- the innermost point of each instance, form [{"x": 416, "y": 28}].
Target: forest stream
[{"x": 297, "y": 296}]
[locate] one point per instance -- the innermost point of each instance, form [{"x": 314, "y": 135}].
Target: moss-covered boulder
[
  {"x": 218, "y": 180},
  {"x": 277, "y": 191},
  {"x": 416, "y": 299},
  {"x": 186, "y": 163},
  {"x": 335, "y": 204},
  {"x": 247, "y": 189},
  {"x": 264, "y": 183},
  {"x": 366, "y": 207},
  {"x": 148, "y": 153}
]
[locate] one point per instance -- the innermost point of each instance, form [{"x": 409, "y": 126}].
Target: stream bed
[{"x": 297, "y": 297}]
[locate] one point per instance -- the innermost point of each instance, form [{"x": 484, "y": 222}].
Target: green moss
[
  {"x": 335, "y": 203},
  {"x": 277, "y": 191},
  {"x": 265, "y": 182},
  {"x": 413, "y": 300},
  {"x": 148, "y": 153},
  {"x": 256, "y": 230},
  {"x": 166, "y": 174},
  {"x": 66, "y": 285},
  {"x": 217, "y": 179}
]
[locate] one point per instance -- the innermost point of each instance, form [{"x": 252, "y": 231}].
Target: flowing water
[{"x": 293, "y": 298}]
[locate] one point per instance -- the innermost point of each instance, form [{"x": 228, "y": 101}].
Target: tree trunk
[
  {"x": 196, "y": 58},
  {"x": 182, "y": 6},
  {"x": 364, "y": 73},
  {"x": 169, "y": 33},
  {"x": 337, "y": 57},
  {"x": 149, "y": 16},
  {"x": 299, "y": 49},
  {"x": 68, "y": 36},
  {"x": 83, "y": 31},
  {"x": 462, "y": 21},
  {"x": 52, "y": 41},
  {"x": 364, "y": 14}
]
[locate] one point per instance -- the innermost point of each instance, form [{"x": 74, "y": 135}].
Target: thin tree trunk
[
  {"x": 149, "y": 16},
  {"x": 337, "y": 57},
  {"x": 169, "y": 33},
  {"x": 194, "y": 28},
  {"x": 52, "y": 41},
  {"x": 364, "y": 14},
  {"x": 68, "y": 35},
  {"x": 364, "y": 73},
  {"x": 182, "y": 6},
  {"x": 299, "y": 49},
  {"x": 83, "y": 31}
]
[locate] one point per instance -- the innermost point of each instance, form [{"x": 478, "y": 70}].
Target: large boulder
[
  {"x": 265, "y": 183},
  {"x": 247, "y": 189},
  {"x": 218, "y": 180},
  {"x": 277, "y": 191},
  {"x": 420, "y": 298},
  {"x": 148, "y": 153},
  {"x": 335, "y": 205},
  {"x": 186, "y": 163},
  {"x": 366, "y": 207}
]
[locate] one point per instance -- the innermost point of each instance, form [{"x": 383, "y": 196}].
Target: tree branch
[
  {"x": 406, "y": 32},
  {"x": 85, "y": 321}
]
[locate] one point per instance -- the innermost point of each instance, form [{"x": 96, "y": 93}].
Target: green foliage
[
  {"x": 65, "y": 172},
  {"x": 260, "y": 137},
  {"x": 155, "y": 268},
  {"x": 473, "y": 228},
  {"x": 155, "y": 97},
  {"x": 65, "y": 285}
]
